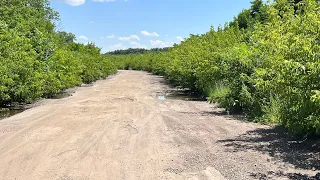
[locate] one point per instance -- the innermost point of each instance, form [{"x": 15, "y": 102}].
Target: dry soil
[{"x": 123, "y": 128}]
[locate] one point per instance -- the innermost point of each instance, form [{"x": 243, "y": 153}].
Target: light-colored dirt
[{"x": 120, "y": 129}]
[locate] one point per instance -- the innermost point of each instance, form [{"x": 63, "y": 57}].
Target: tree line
[
  {"x": 137, "y": 51},
  {"x": 38, "y": 61},
  {"x": 265, "y": 63}
]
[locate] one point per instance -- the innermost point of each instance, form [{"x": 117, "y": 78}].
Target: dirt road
[{"x": 122, "y": 128}]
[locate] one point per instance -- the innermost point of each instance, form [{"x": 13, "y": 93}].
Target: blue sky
[{"x": 121, "y": 24}]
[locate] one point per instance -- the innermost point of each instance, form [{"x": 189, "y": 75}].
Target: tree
[{"x": 66, "y": 37}]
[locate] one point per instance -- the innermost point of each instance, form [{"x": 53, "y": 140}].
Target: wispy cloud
[
  {"x": 159, "y": 43},
  {"x": 130, "y": 38},
  {"x": 74, "y": 2},
  {"x": 138, "y": 45},
  {"x": 82, "y": 37},
  {"x": 117, "y": 47},
  {"x": 151, "y": 34},
  {"x": 111, "y": 36},
  {"x": 179, "y": 38},
  {"x": 80, "y": 2}
]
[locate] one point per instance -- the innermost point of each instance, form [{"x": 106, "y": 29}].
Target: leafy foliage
[
  {"x": 36, "y": 61},
  {"x": 265, "y": 63}
]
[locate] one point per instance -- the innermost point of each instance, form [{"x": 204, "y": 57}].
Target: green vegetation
[
  {"x": 265, "y": 63},
  {"x": 35, "y": 60},
  {"x": 137, "y": 51}
]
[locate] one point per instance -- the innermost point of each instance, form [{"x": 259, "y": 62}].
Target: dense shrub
[
  {"x": 265, "y": 63},
  {"x": 35, "y": 60}
]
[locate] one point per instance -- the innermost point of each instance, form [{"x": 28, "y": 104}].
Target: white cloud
[
  {"x": 111, "y": 36},
  {"x": 117, "y": 47},
  {"x": 138, "y": 45},
  {"x": 159, "y": 43},
  {"x": 179, "y": 38},
  {"x": 130, "y": 38},
  {"x": 146, "y": 33},
  {"x": 82, "y": 37},
  {"x": 80, "y": 2},
  {"x": 74, "y": 2}
]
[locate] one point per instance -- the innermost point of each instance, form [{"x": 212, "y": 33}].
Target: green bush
[
  {"x": 265, "y": 63},
  {"x": 35, "y": 60}
]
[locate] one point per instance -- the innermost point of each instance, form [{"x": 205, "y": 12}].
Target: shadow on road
[
  {"x": 177, "y": 92},
  {"x": 282, "y": 146}
]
